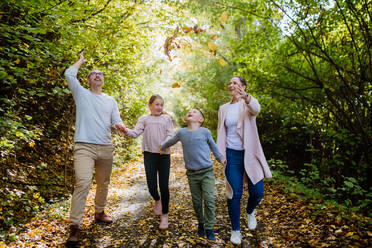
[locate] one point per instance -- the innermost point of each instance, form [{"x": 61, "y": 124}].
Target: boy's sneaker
[
  {"x": 236, "y": 237},
  {"x": 210, "y": 235},
  {"x": 201, "y": 230},
  {"x": 252, "y": 222}
]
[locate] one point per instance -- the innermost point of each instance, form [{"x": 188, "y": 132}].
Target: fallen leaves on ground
[{"x": 283, "y": 220}]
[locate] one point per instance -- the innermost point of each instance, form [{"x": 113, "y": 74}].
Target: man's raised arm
[{"x": 71, "y": 74}]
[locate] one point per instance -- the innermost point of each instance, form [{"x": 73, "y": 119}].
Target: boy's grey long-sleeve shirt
[
  {"x": 95, "y": 113},
  {"x": 196, "y": 145}
]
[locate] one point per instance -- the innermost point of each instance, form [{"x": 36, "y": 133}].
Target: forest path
[{"x": 283, "y": 220}]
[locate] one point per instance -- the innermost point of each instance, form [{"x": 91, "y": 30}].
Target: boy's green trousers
[{"x": 201, "y": 184}]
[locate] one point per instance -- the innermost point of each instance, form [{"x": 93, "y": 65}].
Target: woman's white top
[{"x": 233, "y": 140}]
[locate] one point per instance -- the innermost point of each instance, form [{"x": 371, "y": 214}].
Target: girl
[{"x": 156, "y": 128}]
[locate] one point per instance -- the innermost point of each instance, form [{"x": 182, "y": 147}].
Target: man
[{"x": 96, "y": 112}]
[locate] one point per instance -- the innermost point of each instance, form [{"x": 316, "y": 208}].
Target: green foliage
[
  {"x": 38, "y": 41},
  {"x": 307, "y": 62},
  {"x": 309, "y": 65}
]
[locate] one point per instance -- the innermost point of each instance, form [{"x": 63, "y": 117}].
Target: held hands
[
  {"x": 161, "y": 151},
  {"x": 223, "y": 161},
  {"x": 121, "y": 128}
]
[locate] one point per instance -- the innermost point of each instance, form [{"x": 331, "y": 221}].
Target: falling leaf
[
  {"x": 222, "y": 26},
  {"x": 17, "y": 61},
  {"x": 213, "y": 37},
  {"x": 183, "y": 120},
  {"x": 176, "y": 85},
  {"x": 198, "y": 30},
  {"x": 170, "y": 43},
  {"x": 222, "y": 62},
  {"x": 224, "y": 16},
  {"x": 212, "y": 46},
  {"x": 187, "y": 29}
]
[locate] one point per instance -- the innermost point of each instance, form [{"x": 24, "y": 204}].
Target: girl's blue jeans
[{"x": 234, "y": 175}]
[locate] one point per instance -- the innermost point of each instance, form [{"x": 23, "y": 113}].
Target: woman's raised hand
[
  {"x": 243, "y": 94},
  {"x": 241, "y": 91}
]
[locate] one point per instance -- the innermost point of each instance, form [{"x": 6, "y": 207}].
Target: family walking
[{"x": 238, "y": 149}]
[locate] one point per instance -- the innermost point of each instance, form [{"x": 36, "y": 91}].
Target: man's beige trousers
[{"x": 88, "y": 157}]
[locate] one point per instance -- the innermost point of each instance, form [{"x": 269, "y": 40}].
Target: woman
[{"x": 238, "y": 141}]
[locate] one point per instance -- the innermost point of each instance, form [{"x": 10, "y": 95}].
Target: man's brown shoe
[
  {"x": 102, "y": 217},
  {"x": 73, "y": 239}
]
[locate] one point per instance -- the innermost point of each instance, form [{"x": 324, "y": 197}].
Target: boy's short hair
[{"x": 201, "y": 115}]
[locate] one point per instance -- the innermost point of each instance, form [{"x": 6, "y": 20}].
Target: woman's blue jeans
[{"x": 234, "y": 175}]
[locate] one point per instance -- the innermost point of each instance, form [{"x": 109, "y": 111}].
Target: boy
[{"x": 197, "y": 142}]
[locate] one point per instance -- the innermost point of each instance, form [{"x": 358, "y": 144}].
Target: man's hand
[
  {"x": 81, "y": 56},
  {"x": 121, "y": 128},
  {"x": 80, "y": 61}
]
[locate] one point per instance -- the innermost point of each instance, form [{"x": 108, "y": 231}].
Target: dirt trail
[{"x": 283, "y": 221}]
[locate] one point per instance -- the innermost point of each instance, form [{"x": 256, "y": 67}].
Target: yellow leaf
[
  {"x": 66, "y": 220},
  {"x": 224, "y": 16},
  {"x": 187, "y": 29},
  {"x": 17, "y": 61},
  {"x": 212, "y": 46},
  {"x": 176, "y": 85},
  {"x": 26, "y": 45},
  {"x": 349, "y": 234},
  {"x": 222, "y": 62},
  {"x": 31, "y": 144},
  {"x": 191, "y": 241},
  {"x": 213, "y": 37},
  {"x": 183, "y": 120},
  {"x": 19, "y": 134}
]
